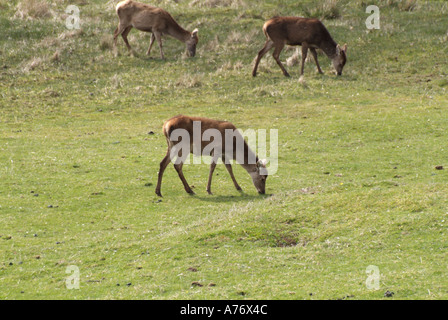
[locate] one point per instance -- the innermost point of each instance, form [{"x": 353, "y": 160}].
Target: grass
[{"x": 357, "y": 183}]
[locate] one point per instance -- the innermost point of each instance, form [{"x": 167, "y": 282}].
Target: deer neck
[
  {"x": 250, "y": 168},
  {"x": 176, "y": 31},
  {"x": 249, "y": 156},
  {"x": 329, "y": 48}
]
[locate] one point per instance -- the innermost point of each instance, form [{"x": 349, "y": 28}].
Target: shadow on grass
[{"x": 232, "y": 198}]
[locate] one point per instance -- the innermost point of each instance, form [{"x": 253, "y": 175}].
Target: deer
[
  {"x": 196, "y": 135},
  {"x": 151, "y": 19},
  {"x": 309, "y": 33}
]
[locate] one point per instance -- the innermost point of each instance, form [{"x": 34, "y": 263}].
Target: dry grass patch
[
  {"x": 327, "y": 9},
  {"x": 71, "y": 34},
  {"x": 116, "y": 82},
  {"x": 295, "y": 59},
  {"x": 189, "y": 81},
  {"x": 33, "y": 9},
  {"x": 238, "y": 37},
  {"x": 218, "y": 3},
  {"x": 56, "y": 56},
  {"x": 268, "y": 91},
  {"x": 32, "y": 64},
  {"x": 4, "y": 4},
  {"x": 106, "y": 42},
  {"x": 213, "y": 45},
  {"x": 402, "y": 5},
  {"x": 230, "y": 66}
]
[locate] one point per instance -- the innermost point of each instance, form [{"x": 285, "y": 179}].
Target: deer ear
[
  {"x": 194, "y": 33},
  {"x": 344, "y": 48},
  {"x": 261, "y": 163},
  {"x": 261, "y": 166},
  {"x": 338, "y": 50}
]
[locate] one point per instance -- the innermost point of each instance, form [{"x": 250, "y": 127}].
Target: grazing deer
[
  {"x": 151, "y": 19},
  {"x": 306, "y": 32},
  {"x": 196, "y": 136}
]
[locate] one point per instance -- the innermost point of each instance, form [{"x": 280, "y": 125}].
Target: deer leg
[
  {"x": 163, "y": 165},
  {"x": 117, "y": 32},
  {"x": 178, "y": 167},
  {"x": 229, "y": 169},
  {"x": 304, "y": 54},
  {"x": 314, "y": 53},
  {"x": 158, "y": 36},
  {"x": 150, "y": 44},
  {"x": 212, "y": 168},
  {"x": 267, "y": 46},
  {"x": 124, "y": 35},
  {"x": 276, "y": 55},
  {"x": 116, "y": 35}
]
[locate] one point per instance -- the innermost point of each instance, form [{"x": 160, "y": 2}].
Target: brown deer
[
  {"x": 196, "y": 133},
  {"x": 151, "y": 19},
  {"x": 306, "y": 32}
]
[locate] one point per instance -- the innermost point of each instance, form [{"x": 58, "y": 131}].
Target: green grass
[{"x": 356, "y": 184}]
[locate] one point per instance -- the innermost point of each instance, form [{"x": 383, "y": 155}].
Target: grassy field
[{"x": 356, "y": 186}]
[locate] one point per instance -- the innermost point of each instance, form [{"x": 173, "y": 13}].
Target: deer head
[
  {"x": 192, "y": 42},
  {"x": 340, "y": 59},
  {"x": 259, "y": 176}
]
